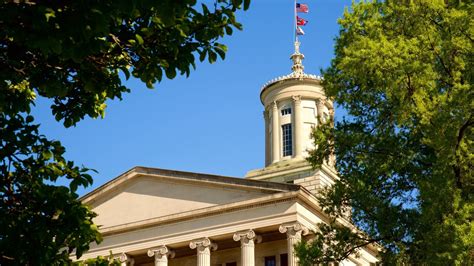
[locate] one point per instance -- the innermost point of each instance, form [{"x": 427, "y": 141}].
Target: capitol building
[{"x": 151, "y": 216}]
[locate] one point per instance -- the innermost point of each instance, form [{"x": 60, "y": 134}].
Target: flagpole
[{"x": 295, "y": 25}]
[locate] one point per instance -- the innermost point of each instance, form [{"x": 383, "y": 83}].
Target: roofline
[
  {"x": 193, "y": 176},
  {"x": 278, "y": 81}
]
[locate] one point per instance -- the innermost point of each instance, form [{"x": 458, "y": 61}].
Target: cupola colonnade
[{"x": 288, "y": 124}]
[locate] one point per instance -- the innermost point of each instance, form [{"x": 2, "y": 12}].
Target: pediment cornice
[{"x": 187, "y": 177}]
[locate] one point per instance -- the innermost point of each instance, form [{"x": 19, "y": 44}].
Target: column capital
[
  {"x": 296, "y": 99},
  {"x": 320, "y": 101},
  {"x": 203, "y": 245},
  {"x": 247, "y": 236},
  {"x": 274, "y": 105},
  {"x": 160, "y": 251},
  {"x": 294, "y": 229},
  {"x": 123, "y": 258}
]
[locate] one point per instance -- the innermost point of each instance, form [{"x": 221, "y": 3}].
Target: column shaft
[
  {"x": 268, "y": 160},
  {"x": 275, "y": 134},
  {"x": 203, "y": 256},
  {"x": 292, "y": 241},
  {"x": 161, "y": 261},
  {"x": 248, "y": 254},
  {"x": 320, "y": 107},
  {"x": 298, "y": 127}
]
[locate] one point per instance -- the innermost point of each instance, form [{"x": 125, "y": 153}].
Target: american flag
[{"x": 302, "y": 8}]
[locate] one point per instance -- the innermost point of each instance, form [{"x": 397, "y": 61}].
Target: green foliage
[
  {"x": 41, "y": 222},
  {"x": 404, "y": 72},
  {"x": 74, "y": 53},
  {"x": 100, "y": 261}
]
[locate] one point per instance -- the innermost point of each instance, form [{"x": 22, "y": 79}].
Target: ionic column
[
  {"x": 319, "y": 106},
  {"x": 275, "y": 134},
  {"x": 161, "y": 253},
  {"x": 124, "y": 259},
  {"x": 293, "y": 236},
  {"x": 203, "y": 247},
  {"x": 298, "y": 126},
  {"x": 247, "y": 240},
  {"x": 267, "y": 138}
]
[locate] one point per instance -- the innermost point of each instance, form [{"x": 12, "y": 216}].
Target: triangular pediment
[{"x": 146, "y": 193}]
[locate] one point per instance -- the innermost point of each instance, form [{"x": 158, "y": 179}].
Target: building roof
[
  {"x": 193, "y": 177},
  {"x": 292, "y": 76}
]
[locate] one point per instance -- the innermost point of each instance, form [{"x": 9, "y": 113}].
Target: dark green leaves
[
  {"x": 73, "y": 53},
  {"x": 221, "y": 50},
  {"x": 35, "y": 212}
]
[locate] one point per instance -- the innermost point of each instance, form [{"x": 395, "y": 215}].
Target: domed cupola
[{"x": 292, "y": 105}]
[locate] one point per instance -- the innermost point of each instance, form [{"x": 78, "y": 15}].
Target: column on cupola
[
  {"x": 275, "y": 134},
  {"x": 298, "y": 126},
  {"x": 203, "y": 248},
  {"x": 247, "y": 239},
  {"x": 161, "y": 254},
  {"x": 320, "y": 106},
  {"x": 293, "y": 236},
  {"x": 267, "y": 138}
]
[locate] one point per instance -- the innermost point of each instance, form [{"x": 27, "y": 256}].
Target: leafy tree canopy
[
  {"x": 403, "y": 70},
  {"x": 73, "y": 52}
]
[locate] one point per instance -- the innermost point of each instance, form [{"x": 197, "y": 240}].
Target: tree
[
  {"x": 73, "y": 52},
  {"x": 403, "y": 70}
]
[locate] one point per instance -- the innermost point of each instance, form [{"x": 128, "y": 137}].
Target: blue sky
[{"x": 211, "y": 122}]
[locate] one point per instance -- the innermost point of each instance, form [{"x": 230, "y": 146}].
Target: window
[
  {"x": 270, "y": 261},
  {"x": 286, "y": 111},
  {"x": 284, "y": 259},
  {"x": 287, "y": 140}
]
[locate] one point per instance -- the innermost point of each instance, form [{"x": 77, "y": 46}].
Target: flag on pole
[
  {"x": 299, "y": 31},
  {"x": 301, "y": 21},
  {"x": 302, "y": 8}
]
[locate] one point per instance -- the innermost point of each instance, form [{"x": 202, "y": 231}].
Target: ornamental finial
[{"x": 297, "y": 58}]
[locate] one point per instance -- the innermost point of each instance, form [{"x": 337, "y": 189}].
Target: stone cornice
[
  {"x": 291, "y": 76},
  {"x": 189, "y": 177},
  {"x": 285, "y": 168}
]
